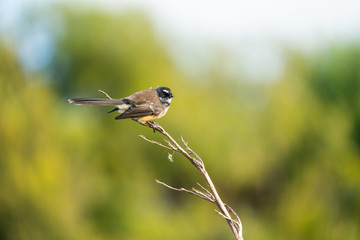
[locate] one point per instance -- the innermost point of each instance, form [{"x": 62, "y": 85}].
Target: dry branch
[{"x": 209, "y": 195}]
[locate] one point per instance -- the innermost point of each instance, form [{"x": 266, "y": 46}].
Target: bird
[{"x": 143, "y": 106}]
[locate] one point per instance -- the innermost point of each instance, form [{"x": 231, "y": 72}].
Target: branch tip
[{"x": 103, "y": 92}]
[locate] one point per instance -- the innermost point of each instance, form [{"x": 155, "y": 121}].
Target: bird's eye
[{"x": 166, "y": 93}]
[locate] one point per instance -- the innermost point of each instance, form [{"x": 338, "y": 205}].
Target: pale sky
[
  {"x": 228, "y": 19},
  {"x": 252, "y": 29}
]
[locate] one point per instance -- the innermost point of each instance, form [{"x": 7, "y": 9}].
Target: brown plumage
[{"x": 146, "y": 105}]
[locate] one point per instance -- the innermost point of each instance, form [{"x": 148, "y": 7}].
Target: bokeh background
[{"x": 267, "y": 93}]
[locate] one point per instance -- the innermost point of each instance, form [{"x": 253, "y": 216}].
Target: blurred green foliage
[{"x": 284, "y": 155}]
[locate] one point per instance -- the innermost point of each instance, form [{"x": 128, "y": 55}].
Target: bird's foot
[{"x": 153, "y": 125}]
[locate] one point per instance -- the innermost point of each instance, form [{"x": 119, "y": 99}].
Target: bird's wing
[{"x": 143, "y": 110}]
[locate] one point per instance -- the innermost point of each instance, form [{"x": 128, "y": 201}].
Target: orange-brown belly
[
  {"x": 153, "y": 117},
  {"x": 148, "y": 118}
]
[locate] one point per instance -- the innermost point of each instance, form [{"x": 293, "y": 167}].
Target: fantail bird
[{"x": 143, "y": 106}]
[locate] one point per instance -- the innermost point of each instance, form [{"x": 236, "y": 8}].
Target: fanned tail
[{"x": 95, "y": 101}]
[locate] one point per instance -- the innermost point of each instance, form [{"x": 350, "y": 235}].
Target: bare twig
[
  {"x": 190, "y": 150},
  {"x": 107, "y": 95},
  {"x": 155, "y": 142},
  {"x": 209, "y": 195},
  {"x": 238, "y": 222},
  {"x": 183, "y": 190},
  {"x": 226, "y": 217},
  {"x": 207, "y": 191}
]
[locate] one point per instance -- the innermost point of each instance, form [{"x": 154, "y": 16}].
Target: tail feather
[
  {"x": 115, "y": 109},
  {"x": 95, "y": 101}
]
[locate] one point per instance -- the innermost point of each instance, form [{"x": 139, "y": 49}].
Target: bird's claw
[{"x": 153, "y": 125}]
